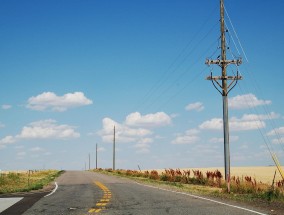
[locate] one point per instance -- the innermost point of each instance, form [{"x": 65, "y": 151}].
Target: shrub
[
  {"x": 164, "y": 177},
  {"x": 154, "y": 175}
]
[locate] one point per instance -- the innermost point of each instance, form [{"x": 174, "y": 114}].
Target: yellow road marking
[{"x": 100, "y": 205}]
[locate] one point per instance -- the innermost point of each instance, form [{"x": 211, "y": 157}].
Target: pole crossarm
[
  {"x": 215, "y": 78},
  {"x": 223, "y": 62}
]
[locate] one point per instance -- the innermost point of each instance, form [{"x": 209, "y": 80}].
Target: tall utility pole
[
  {"x": 96, "y": 156},
  {"x": 113, "y": 155},
  {"x": 89, "y": 161},
  {"x": 225, "y": 89}
]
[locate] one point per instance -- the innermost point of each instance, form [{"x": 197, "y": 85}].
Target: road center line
[
  {"x": 53, "y": 191},
  {"x": 103, "y": 201},
  {"x": 206, "y": 199}
]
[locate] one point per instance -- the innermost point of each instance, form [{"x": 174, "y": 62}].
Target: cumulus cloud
[
  {"x": 213, "y": 124},
  {"x": 240, "y": 125},
  {"x": 221, "y": 139},
  {"x": 197, "y": 106},
  {"x": 143, "y": 145},
  {"x": 246, "y": 122},
  {"x": 47, "y": 129},
  {"x": 148, "y": 120},
  {"x": 44, "y": 129},
  {"x": 278, "y": 140},
  {"x": 246, "y": 101},
  {"x": 6, "y": 140},
  {"x": 134, "y": 129},
  {"x": 253, "y": 117},
  {"x": 123, "y": 133},
  {"x": 50, "y": 101},
  {"x": 189, "y": 137},
  {"x": 276, "y": 131},
  {"x": 6, "y": 107}
]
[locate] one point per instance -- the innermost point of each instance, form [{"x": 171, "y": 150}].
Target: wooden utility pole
[
  {"x": 96, "y": 156},
  {"x": 225, "y": 89},
  {"x": 113, "y": 157},
  {"x": 89, "y": 161}
]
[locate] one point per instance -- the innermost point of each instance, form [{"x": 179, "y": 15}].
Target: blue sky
[{"x": 71, "y": 70}]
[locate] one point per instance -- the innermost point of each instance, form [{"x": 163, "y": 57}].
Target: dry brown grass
[{"x": 262, "y": 174}]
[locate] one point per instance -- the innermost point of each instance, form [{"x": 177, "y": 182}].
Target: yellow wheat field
[{"x": 263, "y": 174}]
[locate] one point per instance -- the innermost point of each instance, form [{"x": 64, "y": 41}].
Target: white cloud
[
  {"x": 246, "y": 101},
  {"x": 189, "y": 137},
  {"x": 2, "y": 125},
  {"x": 7, "y": 140},
  {"x": 246, "y": 122},
  {"x": 145, "y": 140},
  {"x": 123, "y": 133},
  {"x": 101, "y": 149},
  {"x": 6, "y": 107},
  {"x": 197, "y": 106},
  {"x": 149, "y": 120},
  {"x": 36, "y": 149},
  {"x": 221, "y": 139},
  {"x": 134, "y": 130},
  {"x": 45, "y": 129},
  {"x": 50, "y": 101},
  {"x": 142, "y": 148},
  {"x": 21, "y": 154},
  {"x": 192, "y": 132},
  {"x": 254, "y": 117},
  {"x": 278, "y": 140},
  {"x": 213, "y": 124},
  {"x": 174, "y": 115},
  {"x": 276, "y": 131},
  {"x": 240, "y": 125}
]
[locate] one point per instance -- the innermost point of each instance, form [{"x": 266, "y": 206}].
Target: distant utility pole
[
  {"x": 225, "y": 89},
  {"x": 96, "y": 156},
  {"x": 113, "y": 157},
  {"x": 89, "y": 161}
]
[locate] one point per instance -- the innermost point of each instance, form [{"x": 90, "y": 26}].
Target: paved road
[{"x": 93, "y": 193}]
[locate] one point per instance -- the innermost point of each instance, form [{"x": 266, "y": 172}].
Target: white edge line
[
  {"x": 53, "y": 191},
  {"x": 199, "y": 197}
]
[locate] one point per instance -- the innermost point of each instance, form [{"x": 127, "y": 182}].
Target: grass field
[
  {"x": 23, "y": 181},
  {"x": 263, "y": 174}
]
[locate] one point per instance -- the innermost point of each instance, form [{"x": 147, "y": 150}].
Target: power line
[
  {"x": 236, "y": 34},
  {"x": 175, "y": 65}
]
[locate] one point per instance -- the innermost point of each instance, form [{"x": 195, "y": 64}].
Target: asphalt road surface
[{"x": 81, "y": 192}]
